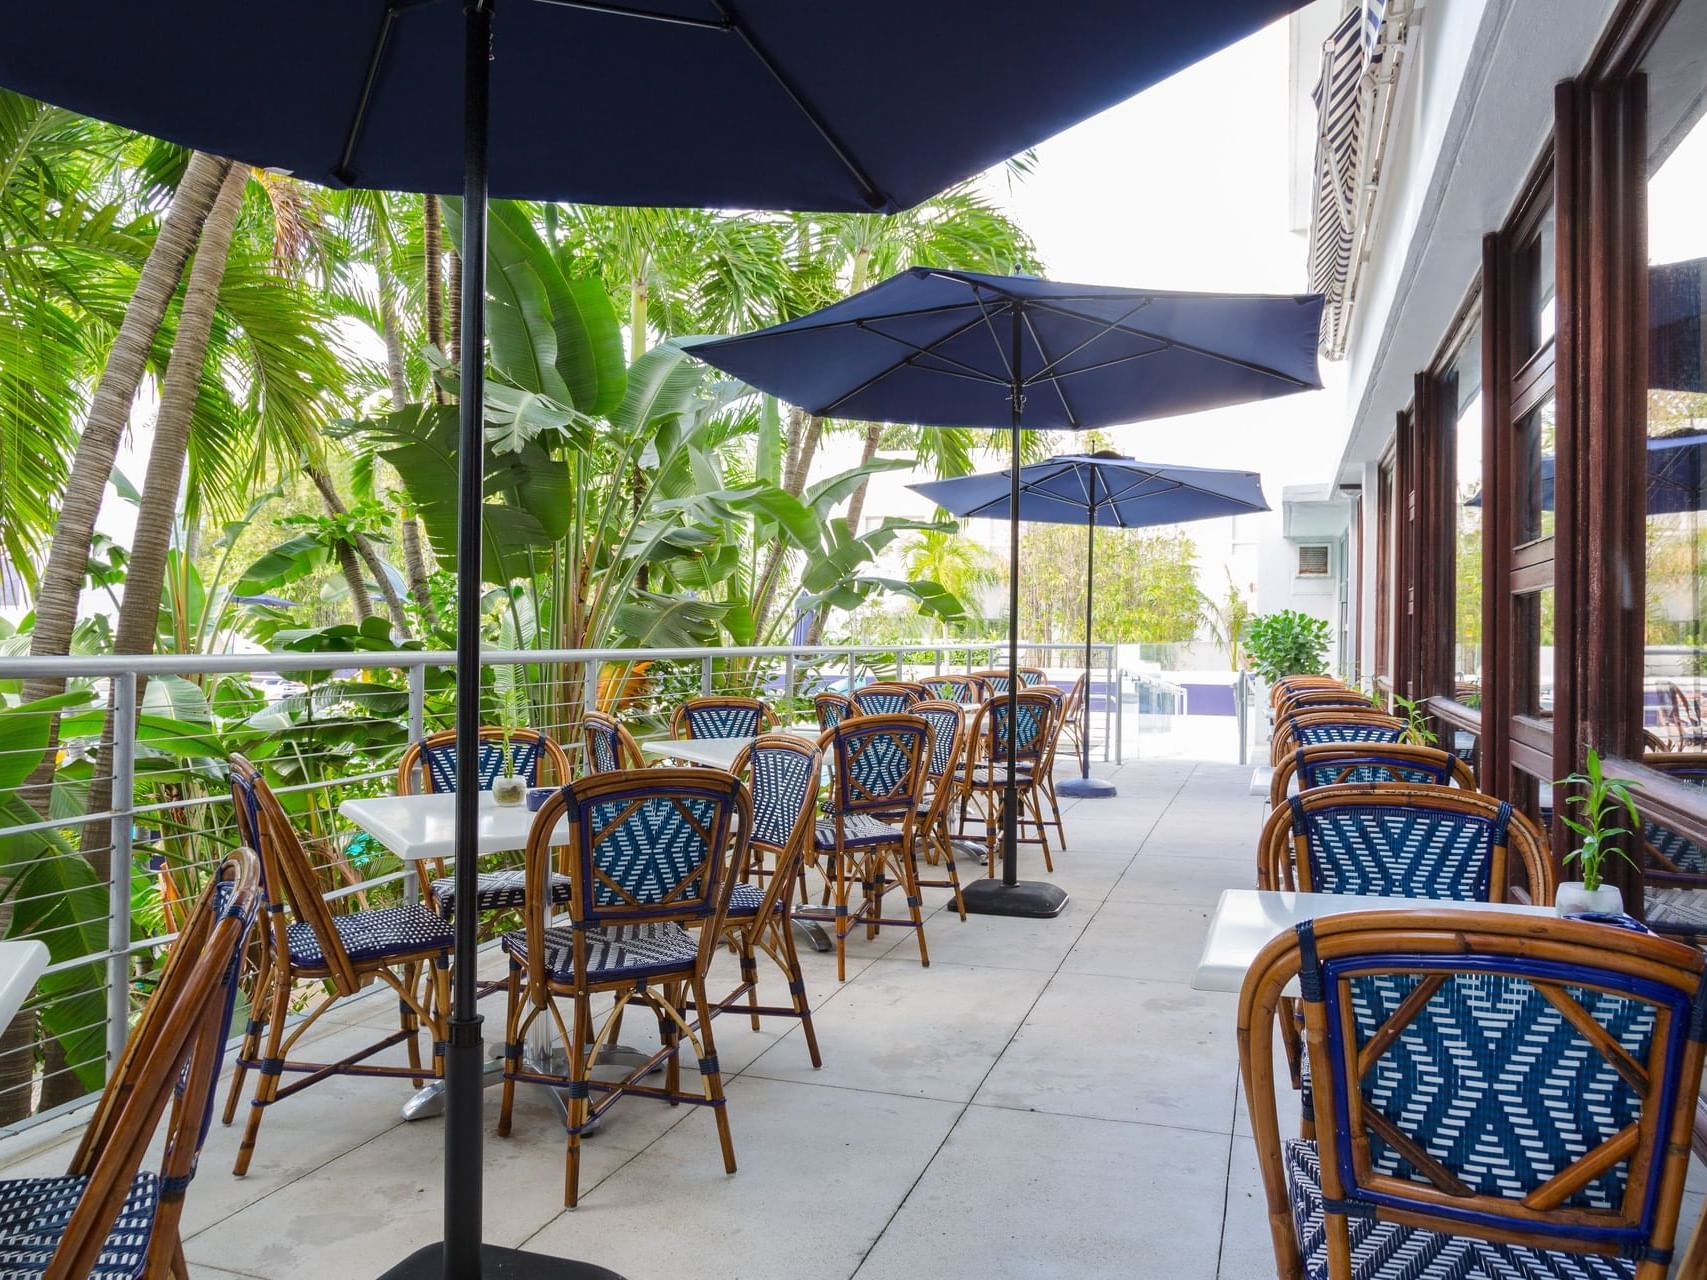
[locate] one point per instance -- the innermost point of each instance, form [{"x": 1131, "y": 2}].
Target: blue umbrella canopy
[
  {"x": 952, "y": 348},
  {"x": 753, "y": 104},
  {"x": 1092, "y": 489},
  {"x": 1106, "y": 489},
  {"x": 1677, "y": 475}
]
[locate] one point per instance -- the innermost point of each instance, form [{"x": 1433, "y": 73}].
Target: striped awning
[{"x": 1343, "y": 96}]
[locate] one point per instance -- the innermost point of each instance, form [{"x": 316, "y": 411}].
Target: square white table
[
  {"x": 719, "y": 753},
  {"x": 1247, "y": 920},
  {"x": 424, "y": 826}
]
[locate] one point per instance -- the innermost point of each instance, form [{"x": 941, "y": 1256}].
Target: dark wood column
[{"x": 1494, "y": 768}]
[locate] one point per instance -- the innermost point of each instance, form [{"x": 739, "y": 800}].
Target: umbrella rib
[
  {"x": 1108, "y": 327},
  {"x": 1175, "y": 343},
  {"x": 375, "y": 58},
  {"x": 829, "y": 409},
  {"x": 1060, "y": 391},
  {"x": 645, "y": 15},
  {"x": 971, "y": 370},
  {"x": 1013, "y": 378},
  {"x": 874, "y": 195}
]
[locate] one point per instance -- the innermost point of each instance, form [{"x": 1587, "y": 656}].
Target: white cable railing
[{"x": 332, "y": 727}]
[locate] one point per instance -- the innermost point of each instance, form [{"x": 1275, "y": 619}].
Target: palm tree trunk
[
  {"x": 139, "y": 612},
  {"x": 61, "y": 584},
  {"x": 414, "y": 557},
  {"x": 349, "y": 558},
  {"x": 433, "y": 252},
  {"x": 453, "y": 290},
  {"x": 856, "y": 504}
]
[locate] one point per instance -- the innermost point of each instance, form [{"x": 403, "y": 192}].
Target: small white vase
[
  {"x": 509, "y": 790},
  {"x": 1575, "y": 899}
]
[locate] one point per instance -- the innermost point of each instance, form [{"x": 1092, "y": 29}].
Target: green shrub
[{"x": 1288, "y": 643}]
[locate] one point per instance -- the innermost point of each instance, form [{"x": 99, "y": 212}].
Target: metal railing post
[
  {"x": 417, "y": 731},
  {"x": 788, "y": 681},
  {"x": 853, "y": 670},
  {"x": 123, "y": 692},
  {"x": 1120, "y": 718},
  {"x": 1243, "y": 695},
  {"x": 1110, "y": 701},
  {"x": 705, "y": 676}
]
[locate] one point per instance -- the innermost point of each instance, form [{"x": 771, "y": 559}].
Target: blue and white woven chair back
[
  {"x": 604, "y": 754},
  {"x": 1033, "y": 714},
  {"x": 785, "y": 784},
  {"x": 959, "y": 689},
  {"x": 947, "y": 722},
  {"x": 831, "y": 709},
  {"x": 998, "y": 682},
  {"x": 1498, "y": 1087},
  {"x": 877, "y": 762},
  {"x": 723, "y": 720},
  {"x": 1400, "y": 851},
  {"x": 1372, "y": 766},
  {"x": 650, "y": 850},
  {"x": 243, "y": 909},
  {"x": 439, "y": 759},
  {"x": 1349, "y": 730},
  {"x": 1679, "y": 850},
  {"x": 882, "y": 702},
  {"x": 1030, "y": 676}
]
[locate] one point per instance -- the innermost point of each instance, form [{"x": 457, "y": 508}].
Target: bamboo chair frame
[
  {"x": 1659, "y": 869},
  {"x": 944, "y": 783},
  {"x": 1279, "y": 688},
  {"x": 1046, "y": 767},
  {"x": 1037, "y": 676},
  {"x": 768, "y": 929},
  {"x": 414, "y": 779},
  {"x": 1347, "y": 756},
  {"x": 1301, "y": 700},
  {"x": 995, "y": 680},
  {"x": 534, "y": 991},
  {"x": 627, "y": 750},
  {"x": 1287, "y": 729},
  {"x": 171, "y": 1059},
  {"x": 872, "y": 862},
  {"x": 983, "y": 783},
  {"x": 1423, "y": 934},
  {"x": 420, "y": 976},
  {"x": 824, "y": 703},
  {"x": 681, "y": 719},
  {"x": 1072, "y": 714},
  {"x": 967, "y": 690}
]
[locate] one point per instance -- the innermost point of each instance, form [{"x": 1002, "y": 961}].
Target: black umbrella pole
[{"x": 1084, "y": 786}]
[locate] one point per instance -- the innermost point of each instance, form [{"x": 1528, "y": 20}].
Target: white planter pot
[
  {"x": 509, "y": 790},
  {"x": 1573, "y": 899}
]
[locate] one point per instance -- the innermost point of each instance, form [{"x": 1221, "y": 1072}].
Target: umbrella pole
[
  {"x": 462, "y": 1256},
  {"x": 1011, "y": 896},
  {"x": 1084, "y": 786}
]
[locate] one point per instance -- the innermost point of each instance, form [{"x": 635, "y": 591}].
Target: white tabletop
[
  {"x": 21, "y": 963},
  {"x": 719, "y": 753},
  {"x": 424, "y": 826},
  {"x": 1247, "y": 920}
]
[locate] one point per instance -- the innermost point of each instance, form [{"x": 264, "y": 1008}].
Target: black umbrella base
[
  {"x": 1086, "y": 788},
  {"x": 1036, "y": 899},
  {"x": 499, "y": 1264}
]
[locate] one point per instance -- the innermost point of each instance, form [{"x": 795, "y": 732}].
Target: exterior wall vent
[{"x": 1314, "y": 560}]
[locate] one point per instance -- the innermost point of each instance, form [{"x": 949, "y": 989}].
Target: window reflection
[
  {"x": 1462, "y": 393},
  {"x": 1534, "y": 457}
]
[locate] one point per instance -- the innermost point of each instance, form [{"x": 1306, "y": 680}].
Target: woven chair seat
[
  {"x": 985, "y": 774},
  {"x": 374, "y": 935},
  {"x": 857, "y": 829},
  {"x": 745, "y": 899},
  {"x": 1391, "y": 1251},
  {"x": 625, "y": 951},
  {"x": 1677, "y": 910},
  {"x": 496, "y": 891},
  {"x": 34, "y": 1213}
]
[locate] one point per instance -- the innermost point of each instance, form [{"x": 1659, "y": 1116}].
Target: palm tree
[{"x": 954, "y": 562}]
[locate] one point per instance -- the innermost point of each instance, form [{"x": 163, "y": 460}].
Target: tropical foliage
[{"x": 1287, "y": 643}]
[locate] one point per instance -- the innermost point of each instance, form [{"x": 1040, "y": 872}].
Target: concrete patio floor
[{"x": 1049, "y": 1098}]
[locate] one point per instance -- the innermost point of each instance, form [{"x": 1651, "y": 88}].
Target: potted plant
[
  {"x": 1288, "y": 643},
  {"x": 1417, "y": 732},
  {"x": 509, "y": 787},
  {"x": 1600, "y": 802}
]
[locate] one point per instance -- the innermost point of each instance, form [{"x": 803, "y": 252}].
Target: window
[
  {"x": 1314, "y": 561},
  {"x": 1461, "y": 395},
  {"x": 1675, "y": 640}
]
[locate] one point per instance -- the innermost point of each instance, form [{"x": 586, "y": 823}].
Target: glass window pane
[
  {"x": 1533, "y": 635},
  {"x": 1462, "y": 395},
  {"x": 1534, "y": 458},
  {"x": 1675, "y": 708},
  {"x": 1536, "y": 269}
]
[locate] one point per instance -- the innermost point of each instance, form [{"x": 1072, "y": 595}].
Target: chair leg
[
  {"x": 512, "y": 1046},
  {"x": 953, "y": 871},
  {"x": 1042, "y": 830},
  {"x": 711, "y": 1078},
  {"x": 670, "y": 1032},
  {"x": 267, "y": 1080},
  {"x": 750, "y": 975},
  {"x": 578, "y": 1098},
  {"x": 1055, "y": 808},
  {"x": 908, "y": 871},
  {"x": 259, "y": 996},
  {"x": 784, "y": 933},
  {"x": 841, "y": 917},
  {"x": 408, "y": 1020}
]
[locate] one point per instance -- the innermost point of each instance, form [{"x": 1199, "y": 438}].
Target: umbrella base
[
  {"x": 1035, "y": 899},
  {"x": 499, "y": 1264},
  {"x": 1086, "y": 788}
]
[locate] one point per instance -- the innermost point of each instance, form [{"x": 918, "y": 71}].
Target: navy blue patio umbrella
[
  {"x": 755, "y": 104},
  {"x": 1102, "y": 488},
  {"x": 964, "y": 349}
]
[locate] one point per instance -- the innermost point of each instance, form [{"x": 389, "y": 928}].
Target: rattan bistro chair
[
  {"x": 105, "y": 1218},
  {"x": 985, "y": 775},
  {"x": 1327, "y": 764},
  {"x": 429, "y": 766},
  {"x": 873, "y": 820},
  {"x": 1674, "y": 873},
  {"x": 720, "y": 716},
  {"x": 1512, "y": 1097},
  {"x": 948, "y": 747},
  {"x": 967, "y": 690},
  {"x": 1335, "y": 724},
  {"x": 884, "y": 698},
  {"x": 995, "y": 680},
  {"x": 1286, "y": 684},
  {"x": 831, "y": 709},
  {"x": 393, "y": 945},
  {"x": 651, "y": 850},
  {"x": 608, "y": 744},
  {"x": 782, "y": 773},
  {"x": 1029, "y": 676}
]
